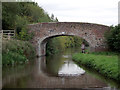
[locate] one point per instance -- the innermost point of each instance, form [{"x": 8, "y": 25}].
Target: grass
[
  {"x": 16, "y": 52},
  {"x": 105, "y": 64}
]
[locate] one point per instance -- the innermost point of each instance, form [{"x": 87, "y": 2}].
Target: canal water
[{"x": 58, "y": 71}]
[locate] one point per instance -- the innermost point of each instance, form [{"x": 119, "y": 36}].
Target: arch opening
[{"x": 44, "y": 42}]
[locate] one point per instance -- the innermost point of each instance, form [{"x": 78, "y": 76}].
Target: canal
[{"x": 58, "y": 71}]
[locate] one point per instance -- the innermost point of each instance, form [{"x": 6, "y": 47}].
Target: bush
[
  {"x": 24, "y": 35},
  {"x": 113, "y": 38},
  {"x": 17, "y": 52},
  {"x": 12, "y": 58},
  {"x": 21, "y": 29}
]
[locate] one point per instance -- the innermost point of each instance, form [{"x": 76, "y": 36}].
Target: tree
[
  {"x": 52, "y": 17},
  {"x": 9, "y": 12},
  {"x": 113, "y": 38},
  {"x": 56, "y": 19},
  {"x": 16, "y": 15}
]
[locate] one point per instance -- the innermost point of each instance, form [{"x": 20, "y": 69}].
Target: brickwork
[{"x": 92, "y": 33}]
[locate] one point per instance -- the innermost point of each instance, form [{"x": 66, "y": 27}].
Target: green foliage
[
  {"x": 106, "y": 65},
  {"x": 20, "y": 23},
  {"x": 16, "y": 15},
  {"x": 53, "y": 46},
  {"x": 105, "y": 53},
  {"x": 24, "y": 35},
  {"x": 16, "y": 52},
  {"x": 53, "y": 18},
  {"x": 12, "y": 58},
  {"x": 9, "y": 12},
  {"x": 113, "y": 38},
  {"x": 59, "y": 44},
  {"x": 77, "y": 41}
]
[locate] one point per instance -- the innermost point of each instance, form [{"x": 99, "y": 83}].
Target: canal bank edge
[{"x": 106, "y": 65}]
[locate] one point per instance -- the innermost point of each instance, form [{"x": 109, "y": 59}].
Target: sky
[{"x": 92, "y": 11}]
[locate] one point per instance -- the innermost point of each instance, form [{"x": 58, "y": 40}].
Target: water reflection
[
  {"x": 69, "y": 68},
  {"x": 41, "y": 74},
  {"x": 62, "y": 64}
]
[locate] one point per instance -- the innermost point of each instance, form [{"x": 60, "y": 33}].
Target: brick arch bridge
[{"x": 92, "y": 33}]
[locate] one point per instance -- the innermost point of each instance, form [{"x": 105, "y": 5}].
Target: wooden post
[
  {"x": 9, "y": 36},
  {"x": 14, "y": 33},
  {"x": 2, "y": 34}
]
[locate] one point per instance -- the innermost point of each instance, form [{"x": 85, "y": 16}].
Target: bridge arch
[
  {"x": 92, "y": 33},
  {"x": 42, "y": 44}
]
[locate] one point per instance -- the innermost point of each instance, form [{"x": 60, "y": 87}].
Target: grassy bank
[
  {"x": 105, "y": 64},
  {"x": 16, "y": 52}
]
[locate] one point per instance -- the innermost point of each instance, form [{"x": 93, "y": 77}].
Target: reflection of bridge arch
[{"x": 92, "y": 33}]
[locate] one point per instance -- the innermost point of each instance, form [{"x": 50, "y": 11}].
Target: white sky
[{"x": 92, "y": 11}]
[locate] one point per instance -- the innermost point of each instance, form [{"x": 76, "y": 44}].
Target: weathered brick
[{"x": 92, "y": 33}]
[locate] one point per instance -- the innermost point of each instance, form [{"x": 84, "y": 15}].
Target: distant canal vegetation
[{"x": 59, "y": 44}]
